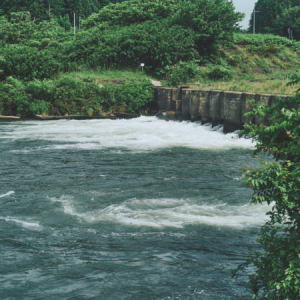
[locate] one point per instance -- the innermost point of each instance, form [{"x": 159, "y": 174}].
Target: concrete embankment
[
  {"x": 211, "y": 106},
  {"x": 75, "y": 117},
  {"x": 9, "y": 118},
  {"x": 82, "y": 117}
]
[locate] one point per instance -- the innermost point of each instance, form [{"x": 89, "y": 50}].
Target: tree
[
  {"x": 30, "y": 50},
  {"x": 275, "y": 16},
  {"x": 213, "y": 22},
  {"x": 277, "y": 183},
  {"x": 288, "y": 23},
  {"x": 40, "y": 9},
  {"x": 141, "y": 23}
]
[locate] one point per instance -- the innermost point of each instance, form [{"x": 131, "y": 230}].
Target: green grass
[
  {"x": 276, "y": 86},
  {"x": 109, "y": 75},
  {"x": 271, "y": 59},
  {"x": 259, "y": 63},
  {"x": 261, "y": 39}
]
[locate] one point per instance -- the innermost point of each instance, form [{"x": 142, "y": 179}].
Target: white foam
[
  {"x": 7, "y": 194},
  {"x": 25, "y": 224},
  {"x": 176, "y": 213},
  {"x": 140, "y": 134}
]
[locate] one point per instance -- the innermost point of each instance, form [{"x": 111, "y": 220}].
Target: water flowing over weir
[{"x": 123, "y": 209}]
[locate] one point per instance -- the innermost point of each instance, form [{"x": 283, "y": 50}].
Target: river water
[{"x": 123, "y": 209}]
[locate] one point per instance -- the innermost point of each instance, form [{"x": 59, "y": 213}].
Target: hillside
[
  {"x": 253, "y": 63},
  {"x": 45, "y": 69}
]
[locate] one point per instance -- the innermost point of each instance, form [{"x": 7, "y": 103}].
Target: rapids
[{"x": 123, "y": 209}]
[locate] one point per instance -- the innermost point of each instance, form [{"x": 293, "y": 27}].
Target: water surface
[{"x": 123, "y": 209}]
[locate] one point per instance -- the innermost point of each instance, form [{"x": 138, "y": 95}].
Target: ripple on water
[
  {"x": 7, "y": 194},
  {"x": 164, "y": 212}
]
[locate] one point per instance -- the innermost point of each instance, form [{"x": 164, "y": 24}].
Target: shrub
[
  {"x": 219, "y": 72},
  {"x": 27, "y": 63},
  {"x": 14, "y": 99},
  {"x": 67, "y": 95},
  {"x": 181, "y": 73},
  {"x": 276, "y": 272}
]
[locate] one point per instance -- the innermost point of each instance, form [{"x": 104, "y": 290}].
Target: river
[{"x": 135, "y": 209}]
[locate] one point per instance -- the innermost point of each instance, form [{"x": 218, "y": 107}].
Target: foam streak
[{"x": 7, "y": 194}]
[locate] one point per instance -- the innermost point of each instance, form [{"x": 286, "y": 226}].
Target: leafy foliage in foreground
[{"x": 277, "y": 266}]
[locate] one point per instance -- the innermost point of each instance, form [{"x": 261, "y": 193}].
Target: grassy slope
[
  {"x": 113, "y": 76},
  {"x": 260, "y": 63}
]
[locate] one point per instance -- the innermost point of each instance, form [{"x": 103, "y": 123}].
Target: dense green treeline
[
  {"x": 277, "y": 17},
  {"x": 62, "y": 10}
]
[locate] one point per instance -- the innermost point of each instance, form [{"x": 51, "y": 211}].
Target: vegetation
[
  {"x": 255, "y": 63},
  {"x": 277, "y": 183},
  {"x": 179, "y": 42},
  {"x": 46, "y": 69},
  {"x": 69, "y": 95},
  {"x": 38, "y": 51},
  {"x": 262, "y": 86},
  {"x": 62, "y": 10},
  {"x": 277, "y": 17}
]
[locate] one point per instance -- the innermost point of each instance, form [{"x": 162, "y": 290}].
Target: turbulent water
[{"x": 123, "y": 209}]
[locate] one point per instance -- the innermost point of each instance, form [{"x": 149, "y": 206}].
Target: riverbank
[{"x": 249, "y": 65}]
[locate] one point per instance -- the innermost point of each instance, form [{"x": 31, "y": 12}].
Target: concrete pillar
[
  {"x": 169, "y": 96},
  {"x": 232, "y": 111},
  {"x": 264, "y": 99},
  {"x": 204, "y": 106},
  {"x": 247, "y": 106},
  {"x": 178, "y": 106},
  {"x": 163, "y": 96},
  {"x": 185, "y": 104},
  {"x": 176, "y": 94},
  {"x": 194, "y": 105},
  {"x": 217, "y": 107}
]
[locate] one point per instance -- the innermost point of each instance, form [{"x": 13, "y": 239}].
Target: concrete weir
[{"x": 211, "y": 106}]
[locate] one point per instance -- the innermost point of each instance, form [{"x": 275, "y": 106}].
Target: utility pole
[
  {"x": 50, "y": 9},
  {"x": 255, "y": 11},
  {"x": 74, "y": 23},
  {"x": 79, "y": 25},
  {"x": 290, "y": 32}
]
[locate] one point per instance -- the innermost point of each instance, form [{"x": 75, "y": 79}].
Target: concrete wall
[{"x": 216, "y": 107}]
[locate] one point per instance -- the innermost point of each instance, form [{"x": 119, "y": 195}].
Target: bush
[
  {"x": 181, "y": 73},
  {"x": 67, "y": 95},
  {"x": 219, "y": 72},
  {"x": 276, "y": 272},
  {"x": 154, "y": 43},
  {"x": 135, "y": 96},
  {"x": 261, "y": 39},
  {"x": 27, "y": 63},
  {"x": 14, "y": 99}
]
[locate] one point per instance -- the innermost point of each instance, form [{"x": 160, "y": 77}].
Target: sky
[{"x": 246, "y": 7}]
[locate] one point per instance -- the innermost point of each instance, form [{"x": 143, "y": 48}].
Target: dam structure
[{"x": 211, "y": 106}]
